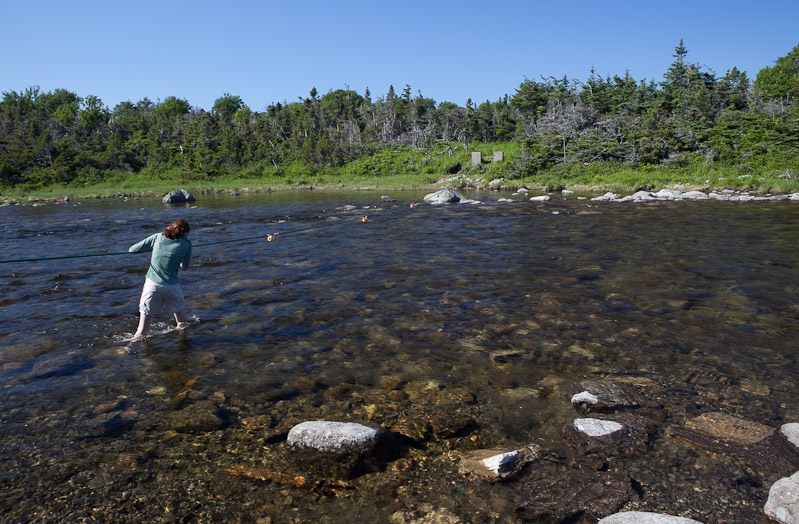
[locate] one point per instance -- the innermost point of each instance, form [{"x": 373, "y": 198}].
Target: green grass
[{"x": 409, "y": 168}]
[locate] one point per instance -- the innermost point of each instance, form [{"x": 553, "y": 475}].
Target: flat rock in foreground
[
  {"x": 557, "y": 494},
  {"x": 783, "y": 500},
  {"x": 645, "y": 517},
  {"x": 340, "y": 449}
]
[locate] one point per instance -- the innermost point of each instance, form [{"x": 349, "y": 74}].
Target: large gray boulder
[
  {"x": 783, "y": 500},
  {"x": 178, "y": 196},
  {"x": 340, "y": 449},
  {"x": 645, "y": 517},
  {"x": 444, "y": 196}
]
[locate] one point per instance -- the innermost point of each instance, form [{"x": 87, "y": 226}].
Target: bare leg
[
  {"x": 180, "y": 319},
  {"x": 144, "y": 326}
]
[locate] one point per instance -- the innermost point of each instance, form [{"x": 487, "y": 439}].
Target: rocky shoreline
[{"x": 615, "y": 424}]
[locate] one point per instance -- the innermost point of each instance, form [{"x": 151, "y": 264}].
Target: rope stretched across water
[{"x": 237, "y": 239}]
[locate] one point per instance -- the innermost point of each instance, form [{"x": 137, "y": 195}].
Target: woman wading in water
[{"x": 162, "y": 293}]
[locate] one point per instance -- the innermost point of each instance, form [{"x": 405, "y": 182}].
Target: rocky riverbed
[{"x": 500, "y": 363}]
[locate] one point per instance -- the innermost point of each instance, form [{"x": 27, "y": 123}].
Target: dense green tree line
[{"x": 60, "y": 137}]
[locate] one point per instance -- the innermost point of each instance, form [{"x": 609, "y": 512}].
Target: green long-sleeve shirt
[{"x": 169, "y": 256}]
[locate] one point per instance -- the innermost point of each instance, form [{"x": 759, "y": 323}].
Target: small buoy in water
[
  {"x": 364, "y": 219},
  {"x": 271, "y": 238},
  {"x": 413, "y": 205}
]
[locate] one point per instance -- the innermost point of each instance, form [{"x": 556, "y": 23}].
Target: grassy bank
[{"x": 409, "y": 168}]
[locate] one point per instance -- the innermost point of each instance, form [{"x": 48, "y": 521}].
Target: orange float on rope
[
  {"x": 271, "y": 238},
  {"x": 413, "y": 206},
  {"x": 365, "y": 219}
]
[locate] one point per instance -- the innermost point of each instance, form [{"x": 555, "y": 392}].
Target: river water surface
[{"x": 481, "y": 316}]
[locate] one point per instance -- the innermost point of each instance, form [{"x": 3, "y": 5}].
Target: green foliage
[
  {"x": 782, "y": 79},
  {"x": 553, "y": 131}
]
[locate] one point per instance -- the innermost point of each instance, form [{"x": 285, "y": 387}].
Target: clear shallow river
[{"x": 479, "y": 313}]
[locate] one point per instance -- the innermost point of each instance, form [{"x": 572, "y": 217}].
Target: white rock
[
  {"x": 542, "y": 198},
  {"x": 607, "y": 197},
  {"x": 695, "y": 195},
  {"x": 791, "y": 432},
  {"x": 645, "y": 517},
  {"x": 523, "y": 190},
  {"x": 642, "y": 195},
  {"x": 330, "y": 436},
  {"x": 496, "y": 462},
  {"x": 586, "y": 397},
  {"x": 667, "y": 194},
  {"x": 783, "y": 500},
  {"x": 794, "y": 196},
  {"x": 594, "y": 427},
  {"x": 567, "y": 192}
]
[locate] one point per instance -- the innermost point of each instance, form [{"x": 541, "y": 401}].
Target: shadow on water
[{"x": 489, "y": 314}]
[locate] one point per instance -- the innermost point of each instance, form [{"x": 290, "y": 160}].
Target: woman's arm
[
  {"x": 184, "y": 264},
  {"x": 145, "y": 245}
]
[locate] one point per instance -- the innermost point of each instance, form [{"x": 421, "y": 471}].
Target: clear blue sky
[{"x": 267, "y": 52}]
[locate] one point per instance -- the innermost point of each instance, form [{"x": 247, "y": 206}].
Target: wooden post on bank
[{"x": 477, "y": 158}]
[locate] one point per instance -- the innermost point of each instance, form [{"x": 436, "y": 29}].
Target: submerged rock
[
  {"x": 645, "y": 517},
  {"x": 443, "y": 196},
  {"x": 731, "y": 440},
  {"x": 783, "y": 500},
  {"x": 622, "y": 434},
  {"x": 199, "y": 417},
  {"x": 498, "y": 463},
  {"x": 178, "y": 196},
  {"x": 425, "y": 514},
  {"x": 721, "y": 425},
  {"x": 556, "y": 494},
  {"x": 542, "y": 198},
  {"x": 606, "y": 395},
  {"x": 341, "y": 449}
]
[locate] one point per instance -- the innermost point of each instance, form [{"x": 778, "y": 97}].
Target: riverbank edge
[{"x": 62, "y": 194}]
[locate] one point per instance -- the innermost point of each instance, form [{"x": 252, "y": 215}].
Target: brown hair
[{"x": 177, "y": 228}]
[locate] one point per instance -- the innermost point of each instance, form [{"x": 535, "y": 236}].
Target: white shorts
[{"x": 160, "y": 298}]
